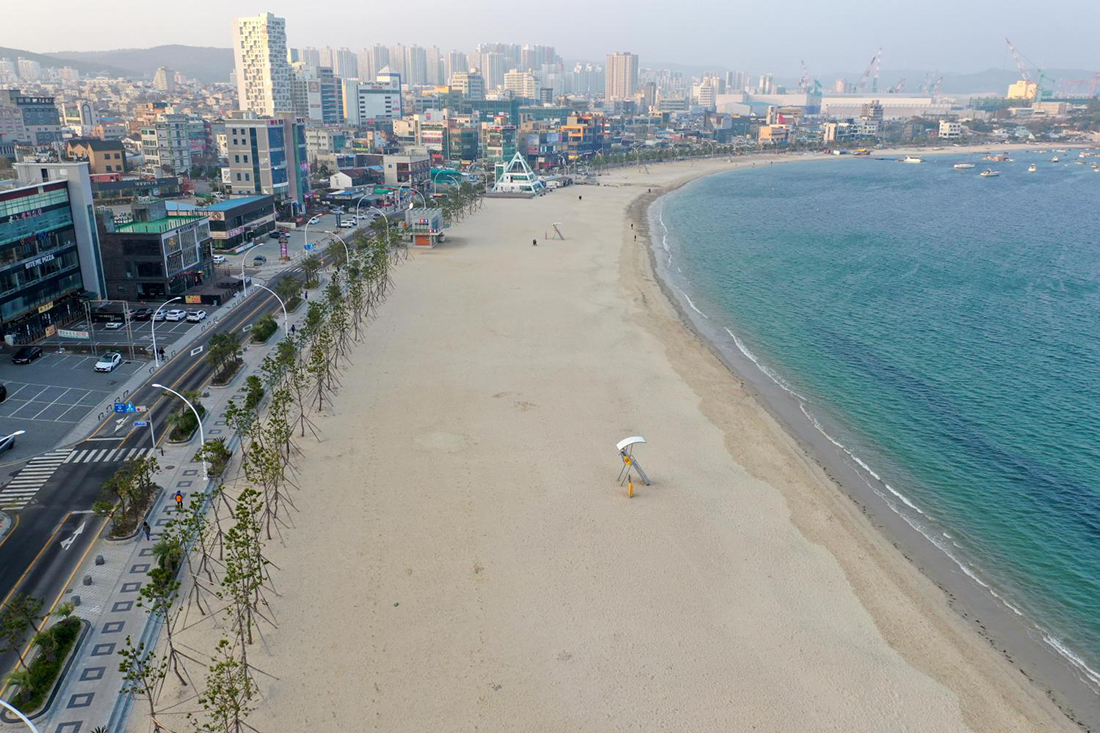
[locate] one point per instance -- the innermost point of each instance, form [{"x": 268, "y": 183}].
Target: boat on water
[
  {"x": 1032, "y": 168},
  {"x": 963, "y": 166},
  {"x": 1054, "y": 159},
  {"x": 998, "y": 158},
  {"x": 989, "y": 173},
  {"x": 911, "y": 159}
]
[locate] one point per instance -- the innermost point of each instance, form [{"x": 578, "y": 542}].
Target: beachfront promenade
[{"x": 463, "y": 556}]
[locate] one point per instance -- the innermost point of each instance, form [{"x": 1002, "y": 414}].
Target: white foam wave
[
  {"x": 688, "y": 299},
  {"x": 664, "y": 237},
  {"x": 763, "y": 367},
  {"x": 1088, "y": 675}
]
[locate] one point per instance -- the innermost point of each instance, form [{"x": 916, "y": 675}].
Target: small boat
[
  {"x": 1032, "y": 168},
  {"x": 989, "y": 173},
  {"x": 912, "y": 159},
  {"x": 1054, "y": 159},
  {"x": 997, "y": 158},
  {"x": 963, "y": 166}
]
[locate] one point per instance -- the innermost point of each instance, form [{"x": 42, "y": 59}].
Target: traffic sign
[
  {"x": 309, "y": 246},
  {"x": 122, "y": 407},
  {"x": 142, "y": 424}
]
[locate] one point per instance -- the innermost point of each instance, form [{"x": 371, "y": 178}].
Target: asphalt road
[{"x": 55, "y": 531}]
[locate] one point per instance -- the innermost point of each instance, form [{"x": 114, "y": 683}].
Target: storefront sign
[
  {"x": 45, "y": 307},
  {"x": 192, "y": 299},
  {"x": 38, "y": 261},
  {"x": 67, "y": 334},
  {"x": 50, "y": 331}
]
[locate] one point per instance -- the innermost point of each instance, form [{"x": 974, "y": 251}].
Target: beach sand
[{"x": 464, "y": 558}]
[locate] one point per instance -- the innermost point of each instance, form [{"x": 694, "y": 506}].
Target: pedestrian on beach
[
  {"x": 146, "y": 530},
  {"x": 534, "y": 242},
  {"x": 580, "y": 198},
  {"x": 635, "y": 237},
  {"x": 179, "y": 500}
]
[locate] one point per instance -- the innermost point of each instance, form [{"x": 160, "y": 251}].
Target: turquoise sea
[{"x": 943, "y": 329}]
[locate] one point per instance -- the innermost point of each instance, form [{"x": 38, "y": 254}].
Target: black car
[
  {"x": 26, "y": 355},
  {"x": 3, "y": 392},
  {"x": 143, "y": 314},
  {"x": 274, "y": 234}
]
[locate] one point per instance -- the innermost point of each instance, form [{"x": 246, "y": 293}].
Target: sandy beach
[{"x": 464, "y": 557}]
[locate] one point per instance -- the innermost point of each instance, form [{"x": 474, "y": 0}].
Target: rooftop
[
  {"x": 172, "y": 221},
  {"x": 225, "y": 205}
]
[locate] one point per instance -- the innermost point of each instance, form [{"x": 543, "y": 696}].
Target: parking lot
[{"x": 49, "y": 396}]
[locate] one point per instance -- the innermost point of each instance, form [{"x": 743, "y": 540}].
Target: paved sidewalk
[{"x": 90, "y": 696}]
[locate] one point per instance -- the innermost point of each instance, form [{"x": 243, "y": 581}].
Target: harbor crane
[
  {"x": 1022, "y": 64},
  {"x": 804, "y": 82},
  {"x": 874, "y": 66},
  {"x": 897, "y": 88},
  {"x": 1019, "y": 61}
]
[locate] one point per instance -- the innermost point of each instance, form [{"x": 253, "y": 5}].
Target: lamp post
[
  {"x": 314, "y": 220},
  {"x": 153, "y": 327},
  {"x": 198, "y": 419},
  {"x": 6, "y": 438},
  {"x": 8, "y": 706},
  {"x": 357, "y": 207},
  {"x": 286, "y": 318},
  {"x": 347, "y": 251},
  {"x": 375, "y": 208}
]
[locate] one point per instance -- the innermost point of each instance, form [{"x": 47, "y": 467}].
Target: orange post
[{"x": 630, "y": 488}]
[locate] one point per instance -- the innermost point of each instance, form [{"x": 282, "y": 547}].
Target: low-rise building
[
  {"x": 407, "y": 170},
  {"x": 950, "y": 130},
  {"x": 156, "y": 255},
  {"x": 235, "y": 221},
  {"x": 166, "y": 144},
  {"x": 103, "y": 156},
  {"x": 110, "y": 188},
  {"x": 268, "y": 156},
  {"x": 29, "y": 118}
]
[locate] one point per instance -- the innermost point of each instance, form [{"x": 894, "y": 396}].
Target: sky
[{"x": 831, "y": 36}]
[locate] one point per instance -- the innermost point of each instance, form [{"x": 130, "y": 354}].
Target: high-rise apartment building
[
  {"x": 621, "y": 76},
  {"x": 316, "y": 94},
  {"x": 263, "y": 71},
  {"x": 267, "y": 155},
  {"x": 521, "y": 84},
  {"x": 534, "y": 57},
  {"x": 470, "y": 84},
  {"x": 416, "y": 66},
  {"x": 29, "y": 70},
  {"x": 164, "y": 80},
  {"x": 397, "y": 61},
  {"x": 345, "y": 64},
  {"x": 372, "y": 60},
  {"x": 454, "y": 61},
  {"x": 309, "y": 56},
  {"x": 378, "y": 100},
  {"x": 433, "y": 66}
]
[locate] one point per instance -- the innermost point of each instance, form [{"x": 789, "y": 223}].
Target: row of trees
[{"x": 211, "y": 558}]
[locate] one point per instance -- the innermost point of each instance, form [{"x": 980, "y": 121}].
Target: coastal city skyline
[
  {"x": 331, "y": 355},
  {"x": 970, "y": 43}
]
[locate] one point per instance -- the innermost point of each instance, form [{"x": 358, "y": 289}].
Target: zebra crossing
[
  {"x": 19, "y": 492},
  {"x": 106, "y": 455},
  {"x": 40, "y": 469}
]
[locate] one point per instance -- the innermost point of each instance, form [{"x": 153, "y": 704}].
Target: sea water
[{"x": 944, "y": 330}]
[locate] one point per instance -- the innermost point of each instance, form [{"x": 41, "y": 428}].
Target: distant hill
[
  {"x": 87, "y": 68},
  {"x": 204, "y": 63}
]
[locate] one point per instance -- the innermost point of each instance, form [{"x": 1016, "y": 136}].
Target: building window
[{"x": 236, "y": 159}]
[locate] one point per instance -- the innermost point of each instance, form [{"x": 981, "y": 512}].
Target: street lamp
[
  {"x": 314, "y": 220},
  {"x": 198, "y": 419},
  {"x": 347, "y": 251},
  {"x": 7, "y": 706},
  {"x": 286, "y": 318},
  {"x": 153, "y": 327},
  {"x": 366, "y": 195},
  {"x": 422, "y": 199}
]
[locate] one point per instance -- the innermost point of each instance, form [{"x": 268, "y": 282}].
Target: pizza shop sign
[{"x": 39, "y": 261}]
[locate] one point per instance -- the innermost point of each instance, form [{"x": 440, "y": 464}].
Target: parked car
[
  {"x": 7, "y": 444},
  {"x": 259, "y": 261},
  {"x": 175, "y": 315},
  {"x": 158, "y": 315},
  {"x": 219, "y": 259},
  {"x": 196, "y": 315},
  {"x": 114, "y": 325},
  {"x": 143, "y": 314},
  {"x": 108, "y": 362},
  {"x": 26, "y": 355},
  {"x": 3, "y": 392},
  {"x": 347, "y": 223}
]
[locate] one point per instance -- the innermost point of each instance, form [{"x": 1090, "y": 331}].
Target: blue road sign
[
  {"x": 142, "y": 424},
  {"x": 125, "y": 407},
  {"x": 309, "y": 246}
]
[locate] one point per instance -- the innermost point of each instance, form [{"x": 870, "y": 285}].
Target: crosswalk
[
  {"x": 18, "y": 493},
  {"x": 106, "y": 455}
]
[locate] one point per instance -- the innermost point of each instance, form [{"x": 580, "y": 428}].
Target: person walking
[
  {"x": 179, "y": 500},
  {"x": 146, "y": 530}
]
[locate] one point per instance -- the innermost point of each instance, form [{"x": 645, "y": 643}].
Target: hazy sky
[{"x": 831, "y": 35}]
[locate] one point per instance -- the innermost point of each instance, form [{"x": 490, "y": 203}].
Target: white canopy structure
[{"x": 517, "y": 177}]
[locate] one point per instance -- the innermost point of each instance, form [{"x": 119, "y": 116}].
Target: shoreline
[{"x": 982, "y": 611}]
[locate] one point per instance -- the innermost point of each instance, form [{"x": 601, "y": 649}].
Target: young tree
[
  {"x": 311, "y": 266},
  {"x": 157, "y": 597},
  {"x": 143, "y": 671},
  {"x": 19, "y": 616},
  {"x": 227, "y": 699}
]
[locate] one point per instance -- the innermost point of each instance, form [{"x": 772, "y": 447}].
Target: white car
[
  {"x": 175, "y": 315},
  {"x": 108, "y": 362},
  {"x": 196, "y": 315},
  {"x": 113, "y": 325},
  {"x": 219, "y": 259}
]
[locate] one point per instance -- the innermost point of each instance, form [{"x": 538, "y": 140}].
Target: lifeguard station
[{"x": 626, "y": 453}]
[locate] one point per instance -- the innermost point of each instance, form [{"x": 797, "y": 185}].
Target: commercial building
[
  {"x": 521, "y": 84},
  {"x": 268, "y": 156},
  {"x": 263, "y": 72},
  {"x": 950, "y": 130},
  {"x": 377, "y": 100},
  {"x": 103, "y": 156},
  {"x": 235, "y": 221},
  {"x": 621, "y": 76},
  {"x": 166, "y": 144},
  {"x": 29, "y": 118},
  {"x": 111, "y": 189},
  {"x": 407, "y": 170},
  {"x": 317, "y": 94},
  {"x": 893, "y": 106},
  {"x": 49, "y": 249},
  {"x": 156, "y": 255}
]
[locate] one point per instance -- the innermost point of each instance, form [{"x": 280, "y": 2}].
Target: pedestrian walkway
[
  {"x": 19, "y": 492},
  {"x": 106, "y": 455}
]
